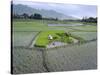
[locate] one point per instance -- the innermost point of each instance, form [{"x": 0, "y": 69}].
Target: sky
[{"x": 74, "y": 10}]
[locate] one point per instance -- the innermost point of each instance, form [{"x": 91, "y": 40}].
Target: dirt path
[{"x": 31, "y": 45}]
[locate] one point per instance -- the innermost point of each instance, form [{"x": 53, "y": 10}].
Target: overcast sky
[{"x": 74, "y": 10}]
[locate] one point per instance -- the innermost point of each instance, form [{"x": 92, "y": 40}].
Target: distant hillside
[{"x": 20, "y": 9}]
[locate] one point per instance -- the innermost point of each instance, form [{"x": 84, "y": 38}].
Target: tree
[
  {"x": 31, "y": 16},
  {"x": 56, "y": 19},
  {"x": 89, "y": 19},
  {"x": 37, "y": 16},
  {"x": 25, "y": 16}
]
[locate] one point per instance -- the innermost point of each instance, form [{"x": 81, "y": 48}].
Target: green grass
[{"x": 42, "y": 39}]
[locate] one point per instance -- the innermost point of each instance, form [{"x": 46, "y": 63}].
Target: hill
[{"x": 20, "y": 9}]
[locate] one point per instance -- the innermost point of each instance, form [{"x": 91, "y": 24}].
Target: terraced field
[
  {"x": 85, "y": 28},
  {"x": 27, "y": 61},
  {"x": 77, "y": 57},
  {"x": 86, "y": 35},
  {"x": 66, "y": 58},
  {"x": 23, "y": 38}
]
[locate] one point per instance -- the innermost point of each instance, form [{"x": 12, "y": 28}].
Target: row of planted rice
[
  {"x": 88, "y": 28},
  {"x": 86, "y": 35},
  {"x": 23, "y": 38},
  {"x": 27, "y": 61},
  {"x": 78, "y": 57}
]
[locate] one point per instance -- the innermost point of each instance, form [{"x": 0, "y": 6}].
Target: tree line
[
  {"x": 89, "y": 19},
  {"x": 33, "y": 16},
  {"x": 26, "y": 16},
  {"x": 40, "y": 17}
]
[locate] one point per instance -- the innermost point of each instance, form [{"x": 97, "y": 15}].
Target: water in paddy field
[
  {"x": 77, "y": 24},
  {"x": 55, "y": 44}
]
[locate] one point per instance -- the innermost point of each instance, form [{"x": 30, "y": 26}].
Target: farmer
[{"x": 50, "y": 37}]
